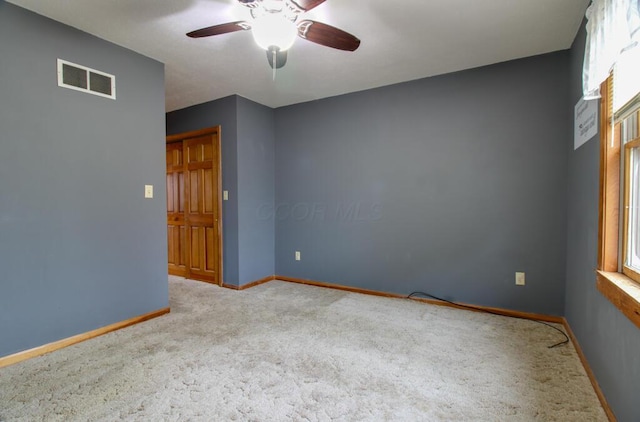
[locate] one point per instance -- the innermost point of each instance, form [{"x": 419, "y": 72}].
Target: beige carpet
[{"x": 282, "y": 351}]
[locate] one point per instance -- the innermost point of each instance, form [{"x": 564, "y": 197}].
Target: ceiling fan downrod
[{"x": 273, "y": 54}]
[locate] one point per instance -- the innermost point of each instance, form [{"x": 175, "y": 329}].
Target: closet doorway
[{"x": 194, "y": 205}]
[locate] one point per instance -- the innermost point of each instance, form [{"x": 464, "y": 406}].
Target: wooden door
[
  {"x": 176, "y": 231},
  {"x": 201, "y": 199},
  {"x": 201, "y": 207}
]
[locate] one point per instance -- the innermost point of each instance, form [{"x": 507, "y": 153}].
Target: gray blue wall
[
  {"x": 256, "y": 191},
  {"x": 223, "y": 112},
  {"x": 446, "y": 185},
  {"x": 609, "y": 340},
  {"x": 80, "y": 248},
  {"x": 248, "y": 174}
]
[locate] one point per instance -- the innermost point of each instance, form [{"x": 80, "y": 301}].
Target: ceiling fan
[{"x": 275, "y": 24}]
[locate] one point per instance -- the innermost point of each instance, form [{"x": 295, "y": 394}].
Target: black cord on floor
[{"x": 488, "y": 311}]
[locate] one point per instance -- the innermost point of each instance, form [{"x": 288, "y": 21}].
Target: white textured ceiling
[{"x": 401, "y": 41}]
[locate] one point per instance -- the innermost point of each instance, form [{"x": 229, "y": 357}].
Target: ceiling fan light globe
[
  {"x": 272, "y": 5},
  {"x": 274, "y": 30}
]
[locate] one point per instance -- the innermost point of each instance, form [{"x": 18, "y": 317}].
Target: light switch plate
[
  {"x": 225, "y": 195},
  {"x": 148, "y": 191}
]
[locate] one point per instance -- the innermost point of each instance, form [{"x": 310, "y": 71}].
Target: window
[
  {"x": 631, "y": 195},
  {"x": 619, "y": 231}
]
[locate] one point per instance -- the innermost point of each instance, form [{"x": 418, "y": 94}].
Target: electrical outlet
[
  {"x": 297, "y": 255},
  {"x": 519, "y": 279}
]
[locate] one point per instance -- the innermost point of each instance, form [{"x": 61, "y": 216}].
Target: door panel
[
  {"x": 208, "y": 192},
  {"x": 211, "y": 249},
  {"x": 176, "y": 236},
  {"x": 176, "y": 241},
  {"x": 196, "y": 249}
]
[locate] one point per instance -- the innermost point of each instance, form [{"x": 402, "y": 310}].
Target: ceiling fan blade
[
  {"x": 306, "y": 5},
  {"x": 223, "y": 28},
  {"x": 327, "y": 35},
  {"x": 281, "y": 58}
]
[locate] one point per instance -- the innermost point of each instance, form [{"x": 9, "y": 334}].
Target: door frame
[{"x": 180, "y": 137}]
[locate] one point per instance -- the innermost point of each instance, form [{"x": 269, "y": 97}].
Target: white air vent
[{"x": 82, "y": 78}]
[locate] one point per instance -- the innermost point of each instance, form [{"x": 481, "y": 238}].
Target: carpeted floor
[{"x": 283, "y": 351}]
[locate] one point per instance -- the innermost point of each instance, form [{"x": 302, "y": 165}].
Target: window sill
[{"x": 623, "y": 292}]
